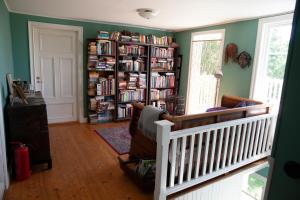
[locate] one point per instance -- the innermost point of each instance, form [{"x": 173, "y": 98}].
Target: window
[{"x": 205, "y": 59}]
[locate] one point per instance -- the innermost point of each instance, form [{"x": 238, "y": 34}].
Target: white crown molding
[
  {"x": 232, "y": 21},
  {"x": 91, "y": 21},
  {"x": 6, "y": 4}
]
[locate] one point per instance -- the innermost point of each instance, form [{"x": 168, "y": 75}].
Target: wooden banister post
[{"x": 162, "y": 150}]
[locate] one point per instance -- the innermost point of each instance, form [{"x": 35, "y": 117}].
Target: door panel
[
  {"x": 55, "y": 71},
  {"x": 286, "y": 145}
]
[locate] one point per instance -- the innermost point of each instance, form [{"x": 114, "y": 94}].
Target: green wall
[
  {"x": 6, "y": 60},
  {"x": 19, "y": 28},
  {"x": 236, "y": 81}
]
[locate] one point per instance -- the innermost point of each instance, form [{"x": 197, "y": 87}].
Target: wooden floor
[{"x": 84, "y": 167}]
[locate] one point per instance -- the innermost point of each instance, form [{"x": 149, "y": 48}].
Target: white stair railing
[{"x": 191, "y": 156}]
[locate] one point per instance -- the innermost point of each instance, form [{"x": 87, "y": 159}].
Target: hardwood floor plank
[{"x": 84, "y": 168}]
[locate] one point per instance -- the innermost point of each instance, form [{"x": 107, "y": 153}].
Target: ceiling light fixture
[{"x": 147, "y": 13}]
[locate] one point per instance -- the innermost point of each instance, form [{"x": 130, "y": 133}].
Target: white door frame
[
  {"x": 3, "y": 168},
  {"x": 261, "y": 42},
  {"x": 222, "y": 31},
  {"x": 79, "y": 67}
]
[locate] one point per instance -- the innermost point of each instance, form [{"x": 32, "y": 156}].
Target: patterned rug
[{"x": 118, "y": 138}]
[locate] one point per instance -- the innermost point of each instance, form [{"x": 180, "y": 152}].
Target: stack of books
[
  {"x": 122, "y": 81},
  {"x": 104, "y": 47},
  {"x": 103, "y": 35},
  {"x": 131, "y": 81},
  {"x": 142, "y": 81},
  {"x": 162, "y": 81},
  {"x": 106, "y": 63},
  {"x": 125, "y": 110}
]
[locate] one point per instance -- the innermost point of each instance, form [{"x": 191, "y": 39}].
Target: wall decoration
[
  {"x": 244, "y": 59},
  {"x": 231, "y": 52}
]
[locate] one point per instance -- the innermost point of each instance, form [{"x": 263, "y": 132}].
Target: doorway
[
  {"x": 270, "y": 59},
  {"x": 56, "y": 69},
  {"x": 205, "y": 59}
]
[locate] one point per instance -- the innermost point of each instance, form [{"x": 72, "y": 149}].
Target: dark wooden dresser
[{"x": 27, "y": 123}]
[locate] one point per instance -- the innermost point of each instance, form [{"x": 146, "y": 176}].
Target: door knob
[{"x": 292, "y": 169}]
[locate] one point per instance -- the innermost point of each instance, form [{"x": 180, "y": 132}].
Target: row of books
[
  {"x": 132, "y": 81},
  {"x": 104, "y": 63},
  {"x": 100, "y": 104},
  {"x": 100, "y": 117},
  {"x": 125, "y": 110},
  {"x": 149, "y": 39},
  {"x": 104, "y": 47},
  {"x": 162, "y": 52},
  {"x": 101, "y": 86},
  {"x": 132, "y": 50},
  {"x": 162, "y": 81},
  {"x": 132, "y": 65},
  {"x": 132, "y": 95},
  {"x": 162, "y": 64},
  {"x": 161, "y": 94}
]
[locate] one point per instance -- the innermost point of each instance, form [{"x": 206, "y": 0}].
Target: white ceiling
[{"x": 174, "y": 14}]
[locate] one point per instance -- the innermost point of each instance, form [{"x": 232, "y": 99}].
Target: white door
[
  {"x": 205, "y": 61},
  {"x": 54, "y": 69},
  {"x": 270, "y": 59}
]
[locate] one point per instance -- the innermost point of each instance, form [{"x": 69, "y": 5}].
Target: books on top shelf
[
  {"x": 162, "y": 81},
  {"x": 104, "y": 47},
  {"x": 125, "y": 110},
  {"x": 103, "y": 35}
]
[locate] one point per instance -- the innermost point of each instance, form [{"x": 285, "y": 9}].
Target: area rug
[{"x": 118, "y": 138}]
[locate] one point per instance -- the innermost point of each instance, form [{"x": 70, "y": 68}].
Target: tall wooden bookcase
[{"x": 135, "y": 67}]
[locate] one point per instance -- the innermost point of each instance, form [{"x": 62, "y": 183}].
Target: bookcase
[
  {"x": 132, "y": 76},
  {"x": 101, "y": 73},
  {"x": 127, "y": 69}
]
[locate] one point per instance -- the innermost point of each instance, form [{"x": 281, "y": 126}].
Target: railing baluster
[
  {"x": 198, "y": 155},
  {"x": 237, "y": 143},
  {"x": 266, "y": 134},
  {"x": 249, "y": 129},
  {"x": 257, "y": 135},
  {"x": 182, "y": 158},
  {"x": 252, "y": 139},
  {"x": 173, "y": 162},
  {"x": 262, "y": 135},
  {"x": 243, "y": 141},
  {"x": 212, "y": 155},
  {"x": 204, "y": 167},
  {"x": 231, "y": 146},
  {"x": 269, "y": 134},
  {"x": 225, "y": 147},
  {"x": 220, "y": 148},
  {"x": 192, "y": 143}
]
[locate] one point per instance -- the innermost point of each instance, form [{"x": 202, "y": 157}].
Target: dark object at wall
[
  {"x": 244, "y": 59},
  {"x": 28, "y": 124},
  {"x": 231, "y": 52}
]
